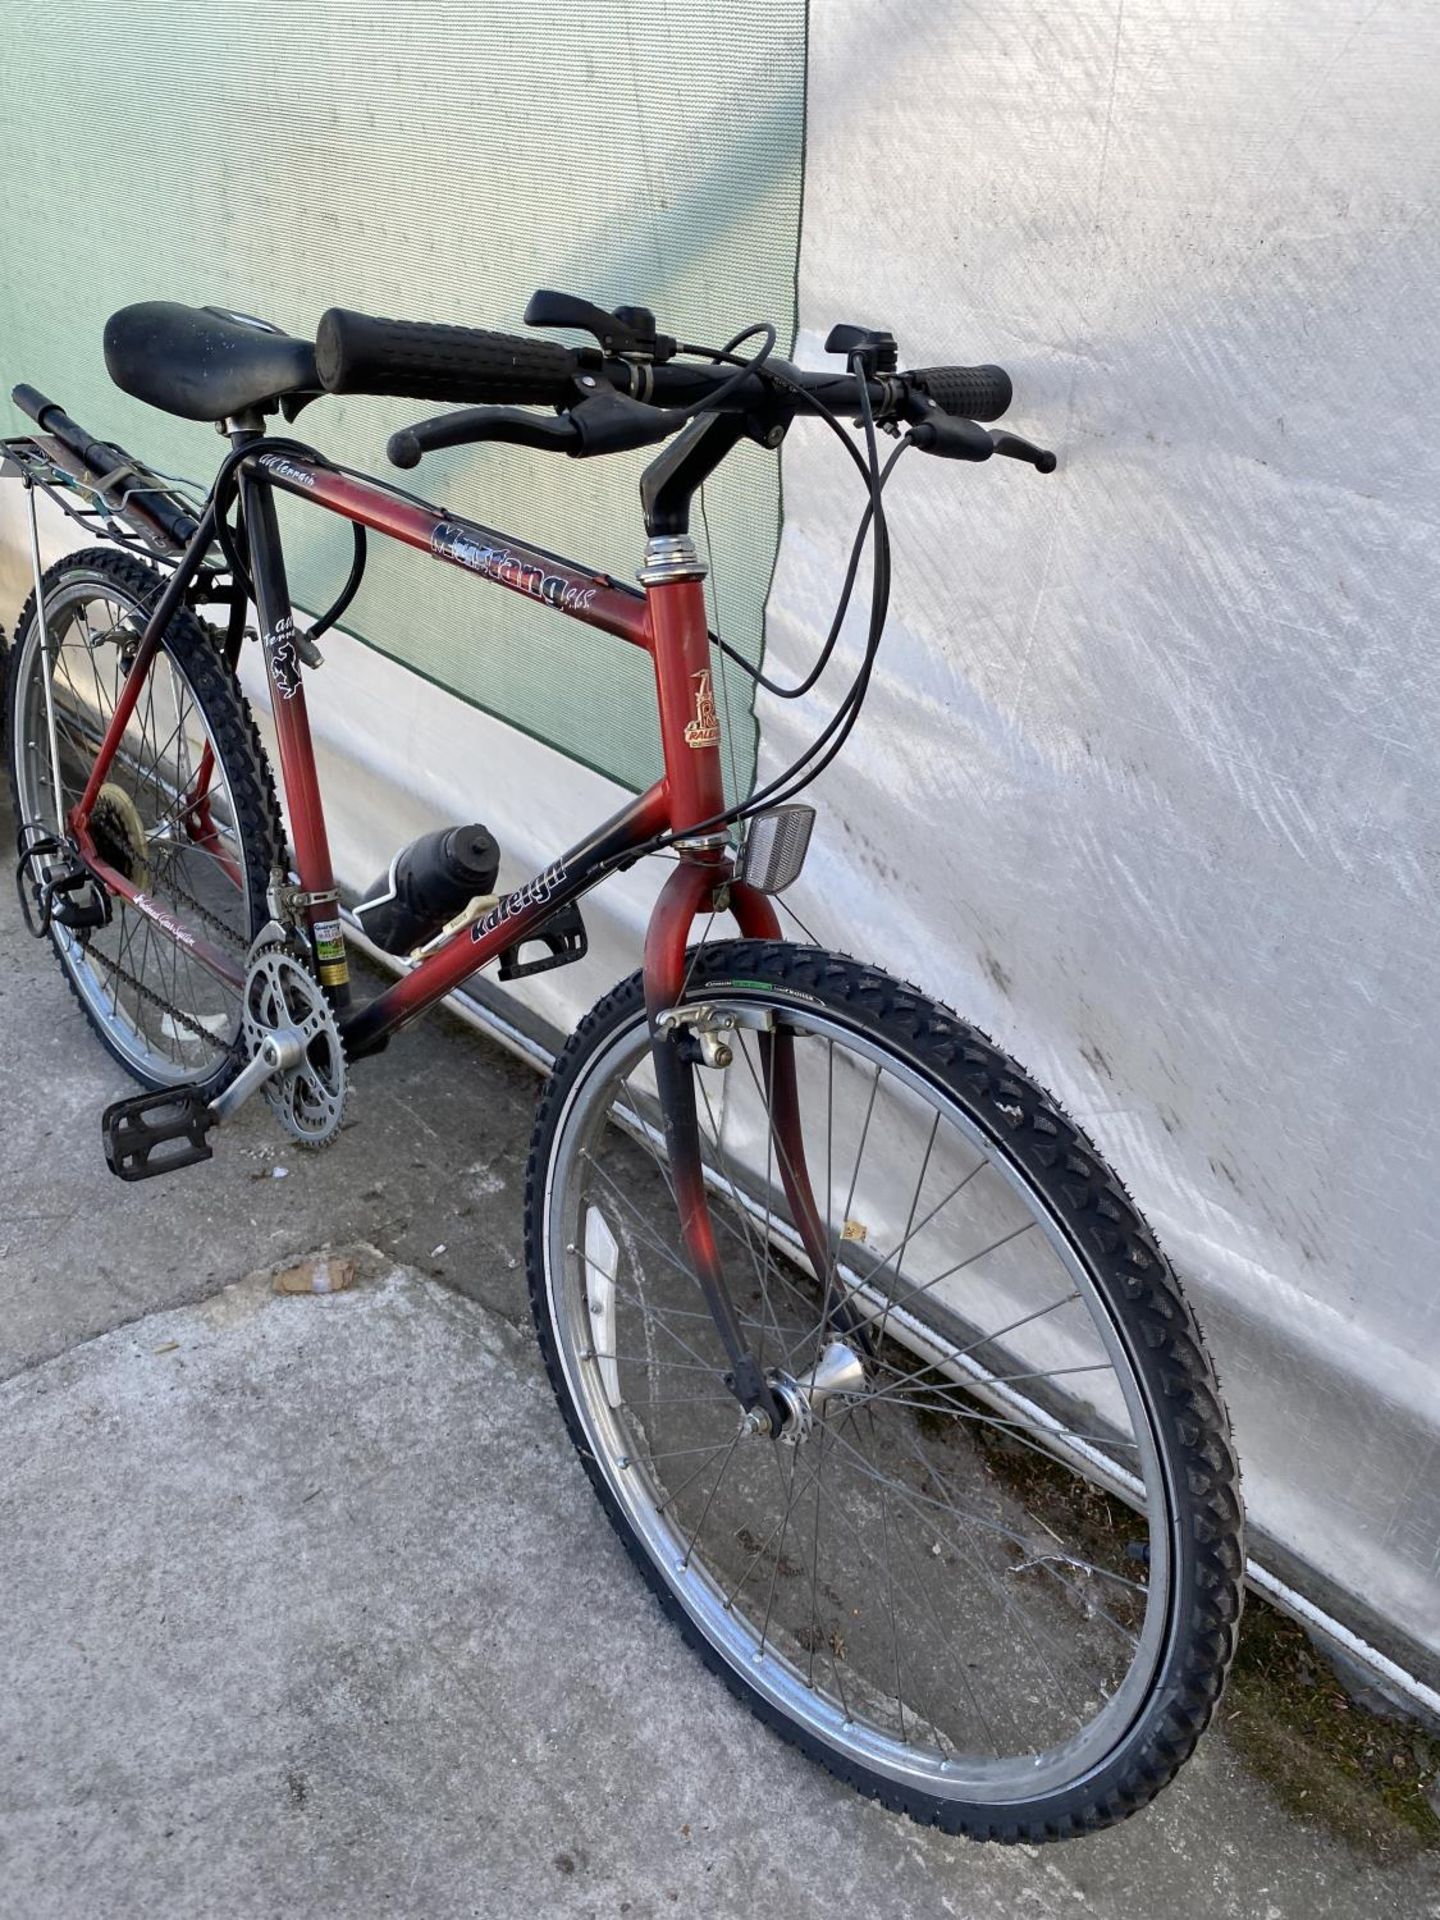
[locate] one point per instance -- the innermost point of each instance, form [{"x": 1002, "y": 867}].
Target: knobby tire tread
[
  {"x": 1193, "y": 1430},
  {"x": 196, "y": 649}
]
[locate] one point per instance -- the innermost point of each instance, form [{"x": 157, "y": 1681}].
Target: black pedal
[
  {"x": 156, "y": 1133},
  {"x": 563, "y": 933}
]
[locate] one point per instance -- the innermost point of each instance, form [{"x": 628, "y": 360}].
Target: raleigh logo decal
[
  {"x": 456, "y": 543},
  {"x": 534, "y": 893},
  {"x": 704, "y": 729}
]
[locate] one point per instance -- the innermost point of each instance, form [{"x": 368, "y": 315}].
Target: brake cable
[
  {"x": 225, "y": 490},
  {"x": 801, "y": 773},
  {"x": 815, "y": 404}
]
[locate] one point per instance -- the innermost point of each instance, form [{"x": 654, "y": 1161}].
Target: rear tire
[
  {"x": 583, "y": 1224},
  {"x": 176, "y": 1025}
]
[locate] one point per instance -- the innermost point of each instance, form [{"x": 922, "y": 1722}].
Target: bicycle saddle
[{"x": 205, "y": 363}]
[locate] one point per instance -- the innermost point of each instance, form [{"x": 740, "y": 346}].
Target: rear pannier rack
[
  {"x": 99, "y": 485},
  {"x": 137, "y": 509}
]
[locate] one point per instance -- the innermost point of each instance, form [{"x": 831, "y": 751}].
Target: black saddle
[{"x": 205, "y": 363}]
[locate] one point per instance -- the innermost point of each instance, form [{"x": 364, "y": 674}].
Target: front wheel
[{"x": 990, "y": 1573}]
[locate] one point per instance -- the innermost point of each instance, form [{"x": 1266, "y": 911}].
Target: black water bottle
[{"x": 426, "y": 885}]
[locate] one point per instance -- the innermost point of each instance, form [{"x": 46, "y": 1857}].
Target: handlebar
[{"x": 608, "y": 404}]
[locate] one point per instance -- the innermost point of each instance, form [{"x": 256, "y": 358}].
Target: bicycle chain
[
  {"x": 175, "y": 1013},
  {"x": 206, "y": 913}
]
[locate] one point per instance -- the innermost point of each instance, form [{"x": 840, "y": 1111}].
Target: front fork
[{"x": 700, "y": 884}]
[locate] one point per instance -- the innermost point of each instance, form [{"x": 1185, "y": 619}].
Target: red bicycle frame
[{"x": 667, "y": 621}]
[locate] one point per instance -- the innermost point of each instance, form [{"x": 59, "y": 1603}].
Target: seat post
[{"x": 292, "y": 722}]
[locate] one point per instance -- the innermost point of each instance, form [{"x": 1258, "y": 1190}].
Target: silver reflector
[{"x": 776, "y": 843}]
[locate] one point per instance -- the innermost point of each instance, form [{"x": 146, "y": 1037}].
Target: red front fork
[
  {"x": 696, "y": 885},
  {"x": 690, "y": 736}
]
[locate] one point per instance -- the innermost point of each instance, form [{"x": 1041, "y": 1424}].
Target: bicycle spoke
[{"x": 930, "y": 1557}]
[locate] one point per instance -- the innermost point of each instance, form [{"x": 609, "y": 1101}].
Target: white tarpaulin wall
[
  {"x": 1145, "y": 785},
  {"x": 1148, "y": 782}
]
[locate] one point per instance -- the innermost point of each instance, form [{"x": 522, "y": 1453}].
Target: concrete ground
[{"x": 309, "y": 1611}]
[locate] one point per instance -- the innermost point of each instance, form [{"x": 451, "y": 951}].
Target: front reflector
[{"x": 776, "y": 843}]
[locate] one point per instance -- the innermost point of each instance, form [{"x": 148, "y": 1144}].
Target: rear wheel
[
  {"x": 187, "y": 812},
  {"x": 990, "y": 1574}
]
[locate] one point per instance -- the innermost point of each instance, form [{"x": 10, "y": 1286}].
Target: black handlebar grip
[
  {"x": 973, "y": 393},
  {"x": 32, "y": 403},
  {"x": 403, "y": 448},
  {"x": 356, "y": 353}
]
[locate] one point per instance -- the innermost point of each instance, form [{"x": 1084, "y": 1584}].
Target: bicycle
[{"x": 878, "y": 1373}]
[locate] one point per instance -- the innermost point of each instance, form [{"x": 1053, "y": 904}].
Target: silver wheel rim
[
  {"x": 82, "y": 617},
  {"x": 843, "y": 1719}
]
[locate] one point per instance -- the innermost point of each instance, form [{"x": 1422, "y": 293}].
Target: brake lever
[
  {"x": 606, "y": 422},
  {"x": 952, "y": 439},
  {"x": 471, "y": 424},
  {"x": 610, "y": 422},
  {"x": 1014, "y": 448}
]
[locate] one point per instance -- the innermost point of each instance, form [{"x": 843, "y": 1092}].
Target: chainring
[{"x": 280, "y": 991}]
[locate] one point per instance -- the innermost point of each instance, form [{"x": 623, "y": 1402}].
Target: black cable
[
  {"x": 814, "y": 404},
  {"x": 803, "y": 687},
  {"x": 832, "y": 737},
  {"x": 848, "y": 711},
  {"x": 337, "y": 607},
  {"x": 727, "y": 352},
  {"x": 225, "y": 490}
]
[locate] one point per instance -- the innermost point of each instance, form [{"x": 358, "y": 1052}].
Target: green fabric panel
[{"x": 426, "y": 161}]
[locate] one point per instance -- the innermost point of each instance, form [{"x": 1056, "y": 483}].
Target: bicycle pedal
[
  {"x": 156, "y": 1133},
  {"x": 564, "y": 934}
]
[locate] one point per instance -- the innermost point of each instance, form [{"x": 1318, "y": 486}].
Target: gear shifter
[{"x": 628, "y": 332}]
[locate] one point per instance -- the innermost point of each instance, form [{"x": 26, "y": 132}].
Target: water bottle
[{"x": 426, "y": 885}]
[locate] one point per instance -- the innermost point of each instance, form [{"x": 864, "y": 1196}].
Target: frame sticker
[
  {"x": 459, "y": 544},
  {"x": 284, "y": 663}
]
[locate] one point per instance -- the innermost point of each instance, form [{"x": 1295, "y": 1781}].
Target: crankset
[
  {"x": 295, "y": 1054},
  {"x": 290, "y": 1033}
]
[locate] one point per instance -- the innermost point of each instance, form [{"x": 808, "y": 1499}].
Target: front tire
[{"x": 1014, "y": 1615}]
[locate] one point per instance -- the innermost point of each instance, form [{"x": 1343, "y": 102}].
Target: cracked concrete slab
[{"x": 309, "y": 1610}]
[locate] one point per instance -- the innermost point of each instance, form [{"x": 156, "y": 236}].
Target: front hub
[{"x": 835, "y": 1381}]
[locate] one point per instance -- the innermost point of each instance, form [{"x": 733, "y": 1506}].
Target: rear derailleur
[{"x": 55, "y": 886}]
